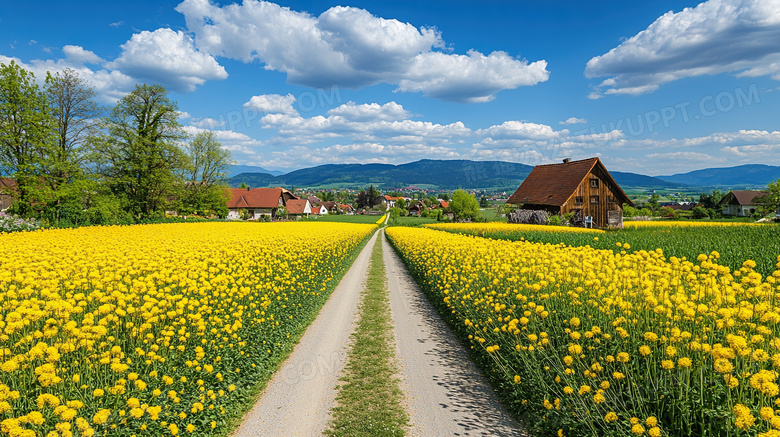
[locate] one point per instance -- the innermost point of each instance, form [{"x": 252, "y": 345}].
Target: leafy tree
[
  {"x": 26, "y": 134},
  {"x": 73, "y": 106},
  {"x": 666, "y": 212},
  {"x": 140, "y": 155},
  {"x": 464, "y": 205},
  {"x": 206, "y": 172},
  {"x": 445, "y": 197},
  {"x": 710, "y": 200},
  {"x": 368, "y": 197},
  {"x": 699, "y": 212},
  {"x": 483, "y": 202},
  {"x": 401, "y": 203},
  {"x": 653, "y": 202},
  {"x": 771, "y": 200}
]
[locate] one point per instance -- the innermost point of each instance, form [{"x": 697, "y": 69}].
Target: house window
[
  {"x": 594, "y": 183},
  {"x": 611, "y": 199},
  {"x": 578, "y": 200},
  {"x": 594, "y": 200}
]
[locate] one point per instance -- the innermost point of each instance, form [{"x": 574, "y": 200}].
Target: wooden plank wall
[{"x": 604, "y": 191}]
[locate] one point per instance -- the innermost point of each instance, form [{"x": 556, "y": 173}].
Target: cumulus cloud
[
  {"x": 352, "y": 48},
  {"x": 167, "y": 57},
  {"x": 78, "y": 55},
  {"x": 370, "y": 111},
  {"x": 272, "y": 104},
  {"x": 573, "y": 120},
  {"x": 109, "y": 85},
  {"x": 517, "y": 129},
  {"x": 717, "y": 36}
]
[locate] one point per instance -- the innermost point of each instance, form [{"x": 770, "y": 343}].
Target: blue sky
[{"x": 655, "y": 87}]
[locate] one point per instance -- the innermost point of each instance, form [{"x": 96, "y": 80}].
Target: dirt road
[
  {"x": 299, "y": 397},
  {"x": 446, "y": 394}
]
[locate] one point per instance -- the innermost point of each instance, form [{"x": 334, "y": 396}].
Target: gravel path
[
  {"x": 300, "y": 395},
  {"x": 446, "y": 394}
]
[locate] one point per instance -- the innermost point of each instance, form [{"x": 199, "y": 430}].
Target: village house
[
  {"x": 741, "y": 203},
  {"x": 318, "y": 209},
  {"x": 583, "y": 187},
  {"x": 257, "y": 202},
  {"x": 7, "y": 186},
  {"x": 297, "y": 208},
  {"x": 347, "y": 209}
]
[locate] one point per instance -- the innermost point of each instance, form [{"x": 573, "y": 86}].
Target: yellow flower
[{"x": 611, "y": 417}]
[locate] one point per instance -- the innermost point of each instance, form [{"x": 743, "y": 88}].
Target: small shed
[{"x": 583, "y": 187}]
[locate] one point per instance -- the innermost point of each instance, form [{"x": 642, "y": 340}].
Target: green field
[
  {"x": 735, "y": 244},
  {"x": 410, "y": 221}
]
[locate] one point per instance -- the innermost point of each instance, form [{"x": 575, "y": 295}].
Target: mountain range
[
  {"x": 742, "y": 176},
  {"x": 451, "y": 174},
  {"x": 426, "y": 173}
]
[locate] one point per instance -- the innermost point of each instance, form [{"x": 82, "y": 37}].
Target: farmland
[
  {"x": 156, "y": 329},
  {"x": 614, "y": 341}
]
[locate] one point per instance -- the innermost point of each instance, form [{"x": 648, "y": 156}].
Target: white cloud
[
  {"x": 370, "y": 111},
  {"x": 470, "y": 78},
  {"x": 573, "y": 120},
  {"x": 78, "y": 55},
  {"x": 517, "y": 129},
  {"x": 110, "y": 85},
  {"x": 208, "y": 123},
  {"x": 352, "y": 48},
  {"x": 272, "y": 104},
  {"x": 717, "y": 36},
  {"x": 169, "y": 58}
]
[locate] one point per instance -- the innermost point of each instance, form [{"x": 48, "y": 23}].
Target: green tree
[
  {"x": 207, "y": 167},
  {"x": 483, "y": 202},
  {"x": 26, "y": 134},
  {"x": 140, "y": 153},
  {"x": 771, "y": 201},
  {"x": 76, "y": 115},
  {"x": 401, "y": 203},
  {"x": 464, "y": 206}
]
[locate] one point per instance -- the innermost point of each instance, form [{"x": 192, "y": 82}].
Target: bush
[{"x": 10, "y": 223}]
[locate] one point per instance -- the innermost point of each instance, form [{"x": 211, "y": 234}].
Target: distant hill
[
  {"x": 236, "y": 170},
  {"x": 443, "y": 174},
  {"x": 637, "y": 180},
  {"x": 742, "y": 176}
]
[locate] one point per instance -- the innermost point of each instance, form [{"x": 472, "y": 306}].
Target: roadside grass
[
  {"x": 343, "y": 218},
  {"x": 369, "y": 400}
]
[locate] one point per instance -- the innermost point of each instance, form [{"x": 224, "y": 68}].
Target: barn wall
[{"x": 604, "y": 192}]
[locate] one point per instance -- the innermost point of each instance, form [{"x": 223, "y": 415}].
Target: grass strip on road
[{"x": 369, "y": 401}]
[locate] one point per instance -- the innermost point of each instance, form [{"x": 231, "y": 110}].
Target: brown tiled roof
[
  {"x": 329, "y": 205},
  {"x": 743, "y": 197},
  {"x": 553, "y": 184},
  {"x": 7, "y": 183},
  {"x": 444, "y": 204},
  {"x": 297, "y": 206},
  {"x": 256, "y": 197}
]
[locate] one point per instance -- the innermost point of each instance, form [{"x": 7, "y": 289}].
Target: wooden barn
[{"x": 583, "y": 187}]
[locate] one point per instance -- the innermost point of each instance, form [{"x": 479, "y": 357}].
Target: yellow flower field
[
  {"x": 154, "y": 329},
  {"x": 593, "y": 342}
]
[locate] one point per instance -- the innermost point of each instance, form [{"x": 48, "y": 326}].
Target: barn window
[
  {"x": 611, "y": 199},
  {"x": 594, "y": 200},
  {"x": 594, "y": 183},
  {"x": 578, "y": 200}
]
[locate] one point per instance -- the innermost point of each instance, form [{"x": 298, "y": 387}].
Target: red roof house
[
  {"x": 741, "y": 202},
  {"x": 583, "y": 187},
  {"x": 297, "y": 208},
  {"x": 257, "y": 202}
]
